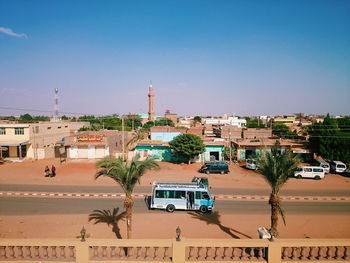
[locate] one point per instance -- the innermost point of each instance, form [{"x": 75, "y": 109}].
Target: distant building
[
  {"x": 171, "y": 116},
  {"x": 286, "y": 120},
  {"x": 257, "y": 133},
  {"x": 35, "y": 140},
  {"x": 233, "y": 121}
]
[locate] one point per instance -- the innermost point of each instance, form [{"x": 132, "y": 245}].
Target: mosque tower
[{"x": 151, "y": 103}]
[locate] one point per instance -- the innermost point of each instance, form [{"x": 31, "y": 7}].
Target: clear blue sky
[{"x": 203, "y": 57}]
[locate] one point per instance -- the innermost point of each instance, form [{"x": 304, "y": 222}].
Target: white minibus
[
  {"x": 181, "y": 195},
  {"x": 315, "y": 172}
]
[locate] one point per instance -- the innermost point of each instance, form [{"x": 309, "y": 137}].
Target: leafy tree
[
  {"x": 65, "y": 118},
  {"x": 282, "y": 130},
  {"x": 277, "y": 167},
  {"x": 9, "y": 118},
  {"x": 41, "y": 118},
  {"x": 330, "y": 141},
  {"x": 254, "y": 123},
  {"x": 126, "y": 174},
  {"x": 148, "y": 125},
  {"x": 25, "y": 118},
  {"x": 164, "y": 122},
  {"x": 197, "y": 119},
  {"x": 187, "y": 146},
  {"x": 227, "y": 153}
]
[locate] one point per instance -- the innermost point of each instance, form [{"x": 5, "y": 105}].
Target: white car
[
  {"x": 251, "y": 164},
  {"x": 338, "y": 167},
  {"x": 315, "y": 172}
]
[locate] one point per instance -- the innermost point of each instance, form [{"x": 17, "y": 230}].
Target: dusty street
[{"x": 162, "y": 225}]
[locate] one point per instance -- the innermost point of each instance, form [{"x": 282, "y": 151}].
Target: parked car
[
  {"x": 203, "y": 180},
  {"x": 322, "y": 164},
  {"x": 215, "y": 167},
  {"x": 337, "y": 167},
  {"x": 315, "y": 172},
  {"x": 251, "y": 164},
  {"x": 346, "y": 172}
]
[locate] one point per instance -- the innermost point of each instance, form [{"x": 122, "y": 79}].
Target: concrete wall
[{"x": 171, "y": 250}]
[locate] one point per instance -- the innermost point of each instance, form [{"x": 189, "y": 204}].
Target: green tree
[
  {"x": 197, "y": 119},
  {"x": 148, "y": 125},
  {"x": 126, "y": 174},
  {"x": 329, "y": 140},
  {"x": 187, "y": 146},
  {"x": 277, "y": 167},
  {"x": 25, "y": 118},
  {"x": 164, "y": 122},
  {"x": 254, "y": 123},
  {"x": 283, "y": 131}
]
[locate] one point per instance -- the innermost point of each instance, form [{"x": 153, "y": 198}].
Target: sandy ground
[{"x": 163, "y": 225}]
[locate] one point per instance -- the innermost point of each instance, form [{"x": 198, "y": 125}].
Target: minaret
[{"x": 151, "y": 103}]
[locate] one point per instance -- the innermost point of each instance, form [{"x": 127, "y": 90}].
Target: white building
[{"x": 233, "y": 121}]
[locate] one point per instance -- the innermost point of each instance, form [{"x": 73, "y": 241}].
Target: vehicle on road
[
  {"x": 173, "y": 196},
  {"x": 251, "y": 164},
  {"x": 346, "y": 172},
  {"x": 337, "y": 167},
  {"x": 315, "y": 172},
  {"x": 215, "y": 167},
  {"x": 203, "y": 180},
  {"x": 322, "y": 164}
]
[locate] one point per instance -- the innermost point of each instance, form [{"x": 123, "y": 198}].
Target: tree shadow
[
  {"x": 214, "y": 219},
  {"x": 109, "y": 217}
]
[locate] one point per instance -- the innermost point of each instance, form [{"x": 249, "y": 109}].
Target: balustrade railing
[{"x": 165, "y": 250}]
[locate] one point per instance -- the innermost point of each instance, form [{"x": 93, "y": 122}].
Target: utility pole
[
  {"x": 123, "y": 138},
  {"x": 229, "y": 134}
]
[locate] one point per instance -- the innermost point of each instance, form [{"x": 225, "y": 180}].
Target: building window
[
  {"x": 2, "y": 131},
  {"x": 36, "y": 129},
  {"x": 59, "y": 127},
  {"x": 19, "y": 131},
  {"x": 49, "y": 128}
]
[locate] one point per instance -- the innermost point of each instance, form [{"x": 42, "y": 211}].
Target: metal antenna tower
[{"x": 56, "y": 105}]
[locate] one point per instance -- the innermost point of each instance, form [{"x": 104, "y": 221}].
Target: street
[{"x": 68, "y": 206}]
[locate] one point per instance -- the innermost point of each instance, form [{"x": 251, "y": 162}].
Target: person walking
[
  {"x": 53, "y": 171},
  {"x": 47, "y": 171}
]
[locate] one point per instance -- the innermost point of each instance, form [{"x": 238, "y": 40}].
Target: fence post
[
  {"x": 82, "y": 252},
  {"x": 178, "y": 252},
  {"x": 274, "y": 252}
]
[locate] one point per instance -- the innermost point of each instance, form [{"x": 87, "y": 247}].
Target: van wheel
[
  {"x": 207, "y": 172},
  {"x": 299, "y": 176},
  {"x": 170, "y": 208},
  {"x": 203, "y": 209},
  {"x": 222, "y": 172},
  {"x": 317, "y": 177}
]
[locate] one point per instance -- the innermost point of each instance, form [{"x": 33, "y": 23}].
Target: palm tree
[
  {"x": 137, "y": 135},
  {"x": 109, "y": 218},
  {"x": 277, "y": 167},
  {"x": 126, "y": 174}
]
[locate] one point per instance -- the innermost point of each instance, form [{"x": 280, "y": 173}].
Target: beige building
[
  {"x": 97, "y": 144},
  {"x": 34, "y": 140},
  {"x": 287, "y": 120}
]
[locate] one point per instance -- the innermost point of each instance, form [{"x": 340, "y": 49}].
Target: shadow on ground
[
  {"x": 109, "y": 217},
  {"x": 214, "y": 219}
]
